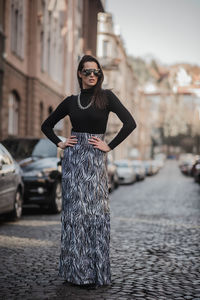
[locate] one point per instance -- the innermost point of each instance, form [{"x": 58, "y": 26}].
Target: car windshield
[
  {"x": 122, "y": 164},
  {"x": 45, "y": 148},
  {"x": 20, "y": 148},
  {"x": 24, "y": 148}
]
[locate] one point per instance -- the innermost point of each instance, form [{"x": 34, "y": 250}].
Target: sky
[{"x": 168, "y": 30}]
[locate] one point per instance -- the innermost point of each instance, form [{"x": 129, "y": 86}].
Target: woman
[{"x": 85, "y": 231}]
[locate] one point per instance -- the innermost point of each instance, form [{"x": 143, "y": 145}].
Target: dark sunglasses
[{"x": 88, "y": 72}]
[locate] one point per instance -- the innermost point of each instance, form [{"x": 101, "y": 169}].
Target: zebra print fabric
[{"x": 85, "y": 217}]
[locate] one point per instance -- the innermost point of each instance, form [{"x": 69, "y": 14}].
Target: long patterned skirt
[{"x": 85, "y": 217}]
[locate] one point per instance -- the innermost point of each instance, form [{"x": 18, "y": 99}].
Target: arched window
[{"x": 13, "y": 114}]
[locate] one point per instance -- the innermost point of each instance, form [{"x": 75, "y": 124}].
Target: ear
[{"x": 79, "y": 74}]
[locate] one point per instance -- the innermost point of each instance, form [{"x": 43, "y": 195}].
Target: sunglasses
[{"x": 88, "y": 72}]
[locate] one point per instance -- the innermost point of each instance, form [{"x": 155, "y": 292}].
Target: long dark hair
[{"x": 99, "y": 99}]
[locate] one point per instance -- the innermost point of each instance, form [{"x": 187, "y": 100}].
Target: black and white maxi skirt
[{"x": 85, "y": 217}]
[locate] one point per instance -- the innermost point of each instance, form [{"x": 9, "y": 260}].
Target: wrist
[
  {"x": 59, "y": 144},
  {"x": 108, "y": 149}
]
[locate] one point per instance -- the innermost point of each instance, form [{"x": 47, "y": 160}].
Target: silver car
[
  {"x": 11, "y": 185},
  {"x": 126, "y": 173},
  {"x": 139, "y": 169}
]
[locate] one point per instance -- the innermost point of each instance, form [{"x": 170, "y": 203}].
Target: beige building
[
  {"x": 2, "y": 44},
  {"x": 144, "y": 141},
  {"x": 169, "y": 115},
  {"x": 119, "y": 77},
  {"x": 44, "y": 39}
]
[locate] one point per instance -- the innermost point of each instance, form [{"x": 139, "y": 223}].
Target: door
[{"x": 7, "y": 181}]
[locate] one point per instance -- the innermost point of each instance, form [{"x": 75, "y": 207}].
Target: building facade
[
  {"x": 119, "y": 76},
  {"x": 44, "y": 41},
  {"x": 2, "y": 45}
]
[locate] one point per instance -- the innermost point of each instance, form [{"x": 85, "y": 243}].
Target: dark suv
[{"x": 40, "y": 161}]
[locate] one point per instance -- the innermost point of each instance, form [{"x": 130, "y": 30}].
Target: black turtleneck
[{"x": 92, "y": 119}]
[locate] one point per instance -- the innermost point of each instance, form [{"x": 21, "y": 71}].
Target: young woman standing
[{"x": 85, "y": 218}]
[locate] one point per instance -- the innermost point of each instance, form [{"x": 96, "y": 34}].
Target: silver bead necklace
[{"x": 80, "y": 105}]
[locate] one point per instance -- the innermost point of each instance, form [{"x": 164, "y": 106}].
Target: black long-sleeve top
[{"x": 92, "y": 119}]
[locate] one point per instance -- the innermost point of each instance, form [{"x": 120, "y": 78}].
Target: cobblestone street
[{"x": 154, "y": 251}]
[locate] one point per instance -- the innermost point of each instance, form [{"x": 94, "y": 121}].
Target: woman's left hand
[{"x": 99, "y": 144}]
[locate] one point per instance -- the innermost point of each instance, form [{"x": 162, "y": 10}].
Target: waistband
[{"x": 87, "y": 134}]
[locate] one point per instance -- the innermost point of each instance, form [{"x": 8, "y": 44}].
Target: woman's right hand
[{"x": 69, "y": 142}]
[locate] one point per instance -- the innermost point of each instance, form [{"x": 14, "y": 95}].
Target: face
[{"x": 90, "y": 80}]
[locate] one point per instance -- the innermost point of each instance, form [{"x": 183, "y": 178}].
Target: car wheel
[
  {"x": 17, "y": 211},
  {"x": 112, "y": 185},
  {"x": 116, "y": 182},
  {"x": 56, "y": 201}
]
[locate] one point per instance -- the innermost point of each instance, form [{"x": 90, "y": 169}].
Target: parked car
[
  {"x": 139, "y": 169},
  {"x": 159, "y": 163},
  {"x": 41, "y": 171},
  {"x": 152, "y": 166},
  {"x": 195, "y": 171},
  {"x": 161, "y": 157},
  {"x": 186, "y": 161},
  {"x": 11, "y": 185},
  {"x": 125, "y": 172},
  {"x": 155, "y": 166},
  {"x": 148, "y": 167},
  {"x": 113, "y": 179}
]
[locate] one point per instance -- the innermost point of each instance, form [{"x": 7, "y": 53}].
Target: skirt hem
[{"x": 85, "y": 282}]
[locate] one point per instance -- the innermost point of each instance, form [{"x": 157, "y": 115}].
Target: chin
[{"x": 91, "y": 84}]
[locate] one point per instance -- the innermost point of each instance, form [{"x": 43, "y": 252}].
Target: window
[
  {"x": 105, "y": 48},
  {"x": 41, "y": 112},
  {"x": 17, "y": 27},
  {"x": 50, "y": 109},
  {"x": 44, "y": 148},
  {"x": 13, "y": 114},
  {"x": 2, "y": 11},
  {"x": 5, "y": 158},
  {"x": 48, "y": 53},
  {"x": 80, "y": 5},
  {"x": 42, "y": 49},
  {"x": 42, "y": 35},
  {"x": 20, "y": 148},
  {"x": 52, "y": 34}
]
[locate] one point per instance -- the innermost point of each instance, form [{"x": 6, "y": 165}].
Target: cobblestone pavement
[{"x": 155, "y": 246}]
